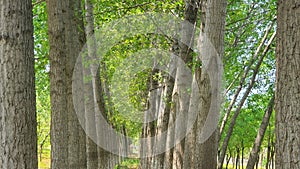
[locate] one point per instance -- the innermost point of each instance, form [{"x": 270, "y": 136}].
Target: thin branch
[
  {"x": 247, "y": 16},
  {"x": 242, "y": 81},
  {"x": 38, "y": 2},
  {"x": 245, "y": 96},
  {"x": 232, "y": 83},
  {"x": 123, "y": 8}
]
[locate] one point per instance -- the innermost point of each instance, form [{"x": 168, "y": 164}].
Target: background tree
[{"x": 18, "y": 137}]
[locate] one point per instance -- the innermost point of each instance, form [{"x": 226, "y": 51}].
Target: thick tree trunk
[
  {"x": 287, "y": 104},
  {"x": 213, "y": 29},
  {"x": 105, "y": 158},
  {"x": 90, "y": 126},
  {"x": 163, "y": 119},
  {"x": 260, "y": 135},
  {"x": 66, "y": 39},
  {"x": 183, "y": 81},
  {"x": 170, "y": 109},
  {"x": 79, "y": 103},
  {"x": 74, "y": 43},
  {"x": 18, "y": 137},
  {"x": 58, "y": 84}
]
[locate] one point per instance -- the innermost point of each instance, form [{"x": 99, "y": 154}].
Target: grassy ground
[
  {"x": 230, "y": 166},
  {"x": 126, "y": 164},
  {"x": 45, "y": 162}
]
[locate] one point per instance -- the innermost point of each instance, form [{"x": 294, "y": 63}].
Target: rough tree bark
[
  {"x": 105, "y": 158},
  {"x": 18, "y": 137},
  {"x": 287, "y": 104},
  {"x": 74, "y": 42},
  {"x": 182, "y": 80},
  {"x": 58, "y": 84},
  {"x": 163, "y": 115},
  {"x": 66, "y": 39},
  {"x": 213, "y": 28},
  {"x": 170, "y": 110},
  {"x": 91, "y": 146}
]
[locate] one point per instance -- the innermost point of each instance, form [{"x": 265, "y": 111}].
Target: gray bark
[
  {"x": 163, "y": 118},
  {"x": 58, "y": 84},
  {"x": 287, "y": 102},
  {"x": 105, "y": 158},
  {"x": 183, "y": 81},
  {"x": 170, "y": 110},
  {"x": 18, "y": 137},
  {"x": 213, "y": 28},
  {"x": 74, "y": 43},
  {"x": 91, "y": 146},
  {"x": 66, "y": 39}
]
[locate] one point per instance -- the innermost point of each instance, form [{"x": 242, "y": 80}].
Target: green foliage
[
  {"x": 138, "y": 88},
  {"x": 128, "y": 163},
  {"x": 42, "y": 81},
  {"x": 246, "y": 25}
]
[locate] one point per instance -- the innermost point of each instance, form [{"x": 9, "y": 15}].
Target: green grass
[
  {"x": 45, "y": 162},
  {"x": 230, "y": 166},
  {"x": 129, "y": 164}
]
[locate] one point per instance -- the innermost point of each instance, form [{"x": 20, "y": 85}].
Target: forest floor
[
  {"x": 128, "y": 164},
  {"x": 44, "y": 163},
  {"x": 46, "y": 160}
]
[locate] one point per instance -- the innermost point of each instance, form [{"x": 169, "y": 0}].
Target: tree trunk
[
  {"x": 242, "y": 159},
  {"x": 66, "y": 40},
  {"x": 170, "y": 109},
  {"x": 90, "y": 104},
  {"x": 287, "y": 104},
  {"x": 237, "y": 160},
  {"x": 183, "y": 80},
  {"x": 58, "y": 83},
  {"x": 260, "y": 135},
  {"x": 257, "y": 161},
  {"x": 74, "y": 43},
  {"x": 163, "y": 118},
  {"x": 90, "y": 126},
  {"x": 78, "y": 88},
  {"x": 229, "y": 156},
  {"x": 147, "y": 146},
  {"x": 18, "y": 137},
  {"x": 212, "y": 31},
  {"x": 269, "y": 148},
  {"x": 273, "y": 152}
]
